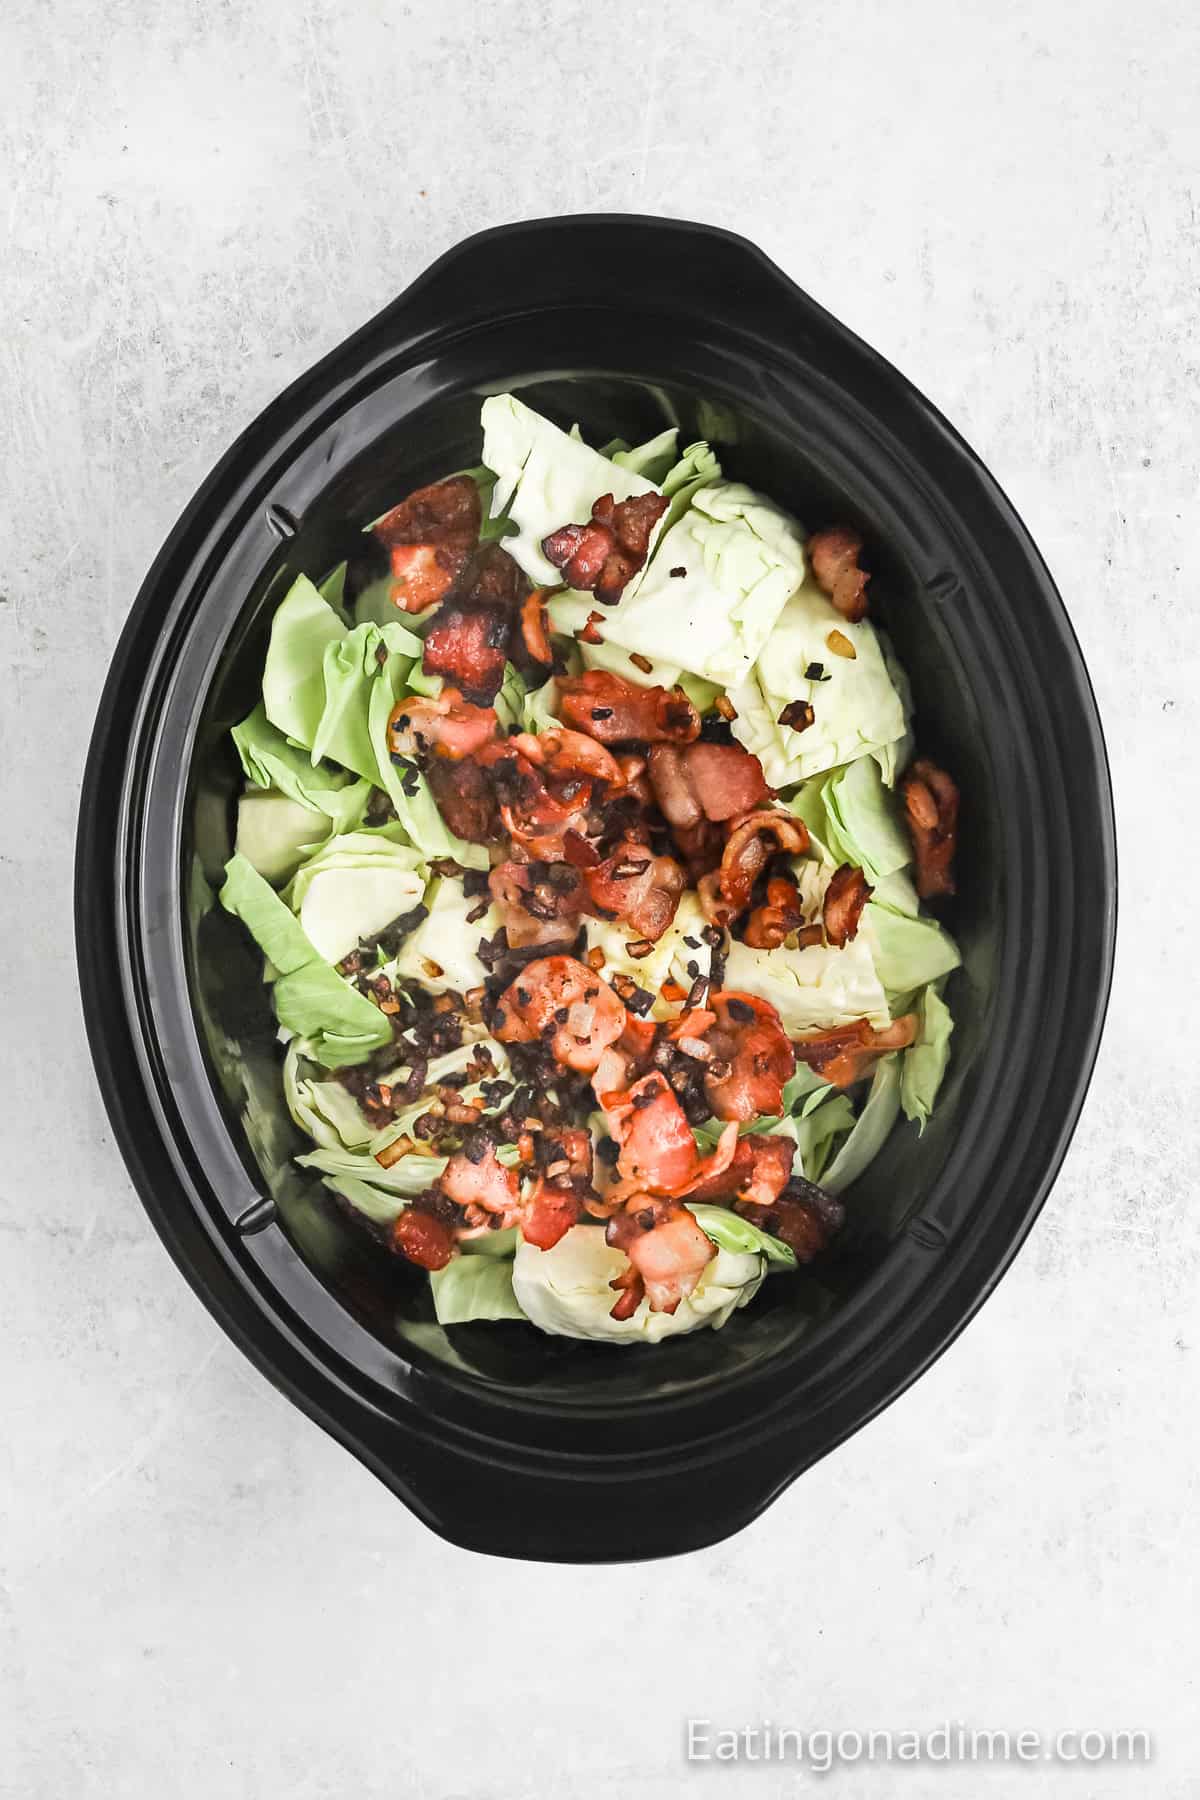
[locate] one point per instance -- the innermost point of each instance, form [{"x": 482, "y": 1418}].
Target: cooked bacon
[
  {"x": 667, "y": 1250},
  {"x": 549, "y": 1214},
  {"x": 759, "y": 1171},
  {"x": 534, "y": 817},
  {"x": 780, "y": 914},
  {"x": 492, "y": 578},
  {"x": 834, "y": 555},
  {"x": 430, "y": 536},
  {"x": 616, "y": 711},
  {"x": 726, "y": 780},
  {"x": 535, "y": 911},
  {"x": 474, "y": 1177},
  {"x": 674, "y": 792},
  {"x": 637, "y": 1039},
  {"x": 640, "y": 888},
  {"x": 542, "y": 1003},
  {"x": 448, "y": 726},
  {"x": 658, "y": 1151},
  {"x": 604, "y": 555},
  {"x": 566, "y": 753},
  {"x": 463, "y": 795},
  {"x": 633, "y": 778},
  {"x": 424, "y": 1240},
  {"x": 444, "y": 512},
  {"x": 931, "y": 814},
  {"x": 535, "y": 635},
  {"x": 805, "y": 1217},
  {"x": 468, "y": 644},
  {"x": 715, "y": 908},
  {"x": 753, "y": 1058},
  {"x": 844, "y": 1055},
  {"x": 747, "y": 852},
  {"x": 842, "y": 907},
  {"x": 700, "y": 847}
]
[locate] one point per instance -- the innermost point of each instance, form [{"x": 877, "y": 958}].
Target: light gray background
[{"x": 203, "y": 1596}]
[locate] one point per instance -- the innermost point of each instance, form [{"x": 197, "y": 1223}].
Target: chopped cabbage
[
  {"x": 741, "y": 560},
  {"x": 565, "y": 1291},
  {"x": 857, "y": 709},
  {"x": 352, "y": 888},
  {"x": 441, "y": 953},
  {"x": 813, "y": 989},
  {"x": 925, "y": 1062},
  {"x": 274, "y": 832},
  {"x": 545, "y": 479}
]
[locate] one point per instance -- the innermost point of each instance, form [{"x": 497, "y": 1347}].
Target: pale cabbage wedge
[
  {"x": 275, "y": 832},
  {"x": 565, "y": 1291},
  {"x": 925, "y": 1063},
  {"x": 741, "y": 560},
  {"x": 354, "y": 887},
  {"x": 569, "y": 613},
  {"x": 272, "y": 762},
  {"x": 475, "y": 1287},
  {"x": 908, "y": 952},
  {"x": 858, "y": 710},
  {"x": 441, "y": 953},
  {"x": 813, "y": 989},
  {"x": 871, "y": 1129},
  {"x": 668, "y": 959},
  {"x": 545, "y": 479}
]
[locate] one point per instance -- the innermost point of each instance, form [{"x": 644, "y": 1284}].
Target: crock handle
[
  {"x": 585, "y": 1515},
  {"x": 590, "y": 259}
]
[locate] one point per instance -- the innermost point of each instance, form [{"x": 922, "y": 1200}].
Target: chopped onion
[{"x": 580, "y": 1020}]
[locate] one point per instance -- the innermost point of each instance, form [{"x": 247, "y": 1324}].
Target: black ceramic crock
[{"x": 500, "y": 1438}]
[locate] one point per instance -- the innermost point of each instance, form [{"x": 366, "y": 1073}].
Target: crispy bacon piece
[
  {"x": 844, "y": 1055},
  {"x": 604, "y": 555},
  {"x": 842, "y": 907},
  {"x": 537, "y": 819},
  {"x": 463, "y": 795},
  {"x": 658, "y": 1151},
  {"x": 474, "y": 1177},
  {"x": 468, "y": 645},
  {"x": 700, "y": 847},
  {"x": 549, "y": 1213},
  {"x": 640, "y": 888},
  {"x": 931, "y": 814},
  {"x": 633, "y": 778},
  {"x": 536, "y": 911},
  {"x": 726, "y": 780},
  {"x": 562, "y": 1002},
  {"x": 834, "y": 555},
  {"x": 492, "y": 578},
  {"x": 535, "y": 634},
  {"x": 752, "y": 1058},
  {"x": 424, "y": 1240},
  {"x": 676, "y": 796},
  {"x": 448, "y": 726},
  {"x": 747, "y": 851},
  {"x": 780, "y": 914},
  {"x": 759, "y": 1172},
  {"x": 616, "y": 711},
  {"x": 805, "y": 1217},
  {"x": 667, "y": 1251},
  {"x": 430, "y": 536},
  {"x": 566, "y": 753}
]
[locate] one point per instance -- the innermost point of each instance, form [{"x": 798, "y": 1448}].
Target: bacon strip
[
  {"x": 842, "y": 908},
  {"x": 616, "y": 711},
  {"x": 781, "y": 914},
  {"x": 834, "y": 555},
  {"x": 844, "y": 1055},
  {"x": 752, "y": 1058},
  {"x": 931, "y": 814},
  {"x": 604, "y": 555},
  {"x": 430, "y": 536}
]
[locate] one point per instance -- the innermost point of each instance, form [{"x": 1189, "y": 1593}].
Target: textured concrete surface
[{"x": 199, "y": 1593}]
